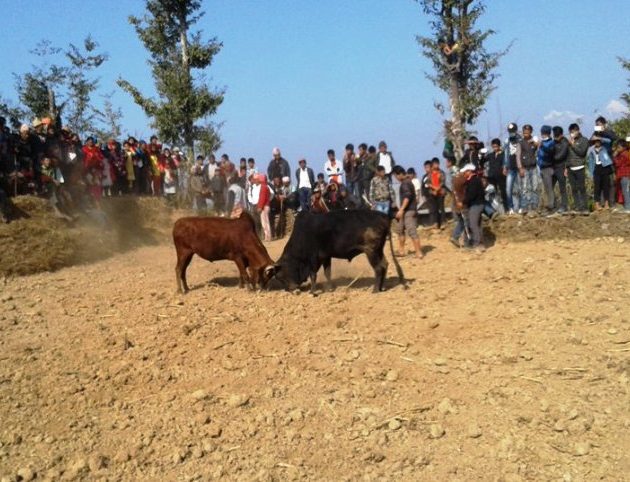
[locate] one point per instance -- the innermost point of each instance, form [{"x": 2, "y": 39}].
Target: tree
[
  {"x": 61, "y": 84},
  {"x": 207, "y": 139},
  {"x": 14, "y": 115},
  {"x": 622, "y": 126},
  {"x": 109, "y": 118},
  {"x": 464, "y": 69},
  {"x": 176, "y": 53},
  {"x": 81, "y": 115}
]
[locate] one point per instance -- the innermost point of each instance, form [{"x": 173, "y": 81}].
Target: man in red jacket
[{"x": 264, "y": 200}]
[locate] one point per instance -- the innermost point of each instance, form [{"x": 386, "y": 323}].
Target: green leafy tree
[
  {"x": 463, "y": 67},
  {"x": 184, "y": 99},
  {"x": 81, "y": 114},
  {"x": 110, "y": 118},
  {"x": 208, "y": 139},
  {"x": 15, "y": 115},
  {"x": 622, "y": 126},
  {"x": 61, "y": 84}
]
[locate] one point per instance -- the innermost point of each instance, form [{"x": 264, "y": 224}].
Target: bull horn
[{"x": 270, "y": 270}]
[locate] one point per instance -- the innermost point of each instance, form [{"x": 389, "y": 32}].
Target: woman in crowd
[
  {"x": 264, "y": 200},
  {"x": 93, "y": 168},
  {"x": 600, "y": 165},
  {"x": 170, "y": 180}
]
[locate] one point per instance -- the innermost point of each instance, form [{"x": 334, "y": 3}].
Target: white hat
[
  {"x": 599, "y": 128},
  {"x": 628, "y": 139},
  {"x": 276, "y": 151},
  {"x": 468, "y": 167},
  {"x": 24, "y": 128},
  {"x": 286, "y": 179}
]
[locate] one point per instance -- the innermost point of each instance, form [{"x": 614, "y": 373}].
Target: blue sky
[{"x": 312, "y": 75}]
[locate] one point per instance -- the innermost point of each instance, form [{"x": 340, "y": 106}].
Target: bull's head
[{"x": 268, "y": 273}]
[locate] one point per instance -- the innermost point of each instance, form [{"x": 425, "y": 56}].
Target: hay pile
[{"x": 38, "y": 241}]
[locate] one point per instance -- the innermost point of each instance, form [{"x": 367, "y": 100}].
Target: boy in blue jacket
[{"x": 545, "y": 163}]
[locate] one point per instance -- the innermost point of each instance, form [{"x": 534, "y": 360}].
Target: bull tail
[{"x": 399, "y": 271}]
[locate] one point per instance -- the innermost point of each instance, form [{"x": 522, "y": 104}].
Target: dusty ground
[{"x": 511, "y": 365}]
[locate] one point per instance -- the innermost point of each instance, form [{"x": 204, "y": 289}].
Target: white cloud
[
  {"x": 564, "y": 117},
  {"x": 616, "y": 107}
]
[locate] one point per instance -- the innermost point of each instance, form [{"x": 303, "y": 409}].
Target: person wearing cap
[
  {"x": 277, "y": 208},
  {"x": 544, "y": 158},
  {"x": 333, "y": 168},
  {"x": 600, "y": 165},
  {"x": 622, "y": 171},
  {"x": 474, "y": 201},
  {"x": 305, "y": 180},
  {"x": 385, "y": 158},
  {"x": 576, "y": 167},
  {"x": 407, "y": 215},
  {"x": 471, "y": 153},
  {"x": 513, "y": 169},
  {"x": 278, "y": 166}
]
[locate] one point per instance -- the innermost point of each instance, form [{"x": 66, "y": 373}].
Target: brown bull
[{"x": 215, "y": 239}]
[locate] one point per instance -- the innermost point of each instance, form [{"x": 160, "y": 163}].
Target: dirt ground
[{"x": 509, "y": 365}]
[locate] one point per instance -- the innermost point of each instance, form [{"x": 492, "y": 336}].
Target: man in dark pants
[
  {"x": 576, "y": 167},
  {"x": 494, "y": 171},
  {"x": 474, "y": 199},
  {"x": 560, "y": 153},
  {"x": 305, "y": 182}
]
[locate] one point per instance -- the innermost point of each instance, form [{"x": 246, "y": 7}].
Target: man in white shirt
[
  {"x": 385, "y": 158},
  {"x": 333, "y": 168},
  {"x": 305, "y": 180}
]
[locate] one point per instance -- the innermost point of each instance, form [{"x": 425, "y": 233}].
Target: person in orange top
[
  {"x": 622, "y": 171},
  {"x": 437, "y": 191}
]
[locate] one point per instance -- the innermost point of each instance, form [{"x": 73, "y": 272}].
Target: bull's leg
[
  {"x": 379, "y": 265},
  {"x": 254, "y": 278},
  {"x": 183, "y": 260},
  {"x": 313, "y": 277},
  {"x": 327, "y": 273},
  {"x": 244, "y": 277}
]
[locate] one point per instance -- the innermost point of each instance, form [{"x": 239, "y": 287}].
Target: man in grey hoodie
[{"x": 576, "y": 167}]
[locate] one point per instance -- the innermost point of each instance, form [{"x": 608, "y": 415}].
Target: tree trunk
[
  {"x": 188, "y": 128},
  {"x": 456, "y": 125},
  {"x": 52, "y": 105}
]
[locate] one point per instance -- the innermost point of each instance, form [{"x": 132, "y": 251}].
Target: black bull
[{"x": 317, "y": 238}]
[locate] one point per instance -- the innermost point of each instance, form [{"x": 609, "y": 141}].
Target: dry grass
[{"x": 37, "y": 241}]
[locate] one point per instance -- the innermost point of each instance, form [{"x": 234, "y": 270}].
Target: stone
[
  {"x": 79, "y": 467},
  {"x": 436, "y": 431},
  {"x": 560, "y": 426},
  {"x": 237, "y": 400},
  {"x": 353, "y": 355},
  {"x": 26, "y": 474},
  {"x": 296, "y": 415},
  {"x": 391, "y": 376},
  {"x": 439, "y": 362},
  {"x": 215, "y": 431},
  {"x": 573, "y": 414},
  {"x": 474, "y": 431},
  {"x": 200, "y": 395},
  {"x": 97, "y": 462},
  {"x": 446, "y": 406},
  {"x": 394, "y": 424},
  {"x": 434, "y": 324},
  {"x": 582, "y": 448}
]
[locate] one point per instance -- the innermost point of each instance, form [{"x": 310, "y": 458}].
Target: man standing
[
  {"x": 333, "y": 168},
  {"x": 381, "y": 193},
  {"x": 385, "y": 158},
  {"x": 494, "y": 171},
  {"x": 305, "y": 182},
  {"x": 407, "y": 213},
  {"x": 437, "y": 191},
  {"x": 370, "y": 163},
  {"x": 352, "y": 168},
  {"x": 576, "y": 167},
  {"x": 474, "y": 199},
  {"x": 529, "y": 183},
  {"x": 545, "y": 158},
  {"x": 513, "y": 168},
  {"x": 460, "y": 214},
  {"x": 560, "y": 154},
  {"x": 608, "y": 138},
  {"x": 278, "y": 166}
]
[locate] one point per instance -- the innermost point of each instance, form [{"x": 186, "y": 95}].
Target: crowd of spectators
[{"x": 523, "y": 174}]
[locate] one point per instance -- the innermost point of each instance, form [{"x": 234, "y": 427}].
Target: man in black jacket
[
  {"x": 474, "y": 198},
  {"x": 493, "y": 165},
  {"x": 305, "y": 182},
  {"x": 560, "y": 154},
  {"x": 278, "y": 166},
  {"x": 576, "y": 167}
]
